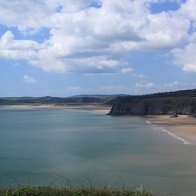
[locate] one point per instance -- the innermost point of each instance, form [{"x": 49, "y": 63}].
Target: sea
[{"x": 69, "y": 147}]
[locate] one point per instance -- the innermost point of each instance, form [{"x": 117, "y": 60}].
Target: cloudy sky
[{"x": 68, "y": 47}]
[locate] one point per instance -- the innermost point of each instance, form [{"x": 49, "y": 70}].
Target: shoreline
[
  {"x": 182, "y": 128},
  {"x": 87, "y": 107}
]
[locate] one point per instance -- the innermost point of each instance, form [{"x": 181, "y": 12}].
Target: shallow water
[{"x": 58, "y": 147}]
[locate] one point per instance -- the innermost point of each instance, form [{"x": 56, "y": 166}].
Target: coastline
[
  {"x": 90, "y": 107},
  {"x": 182, "y": 128}
]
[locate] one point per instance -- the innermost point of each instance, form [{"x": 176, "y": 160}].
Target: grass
[{"x": 50, "y": 191}]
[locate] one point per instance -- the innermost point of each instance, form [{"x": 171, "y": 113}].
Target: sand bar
[
  {"x": 95, "y": 107},
  {"x": 183, "y": 126}
]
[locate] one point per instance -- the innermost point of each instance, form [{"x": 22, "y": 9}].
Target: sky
[{"x": 71, "y": 47}]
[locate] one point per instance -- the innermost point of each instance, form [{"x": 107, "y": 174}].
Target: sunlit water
[{"x": 62, "y": 147}]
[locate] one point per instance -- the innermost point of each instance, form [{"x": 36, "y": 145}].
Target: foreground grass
[{"x": 50, "y": 191}]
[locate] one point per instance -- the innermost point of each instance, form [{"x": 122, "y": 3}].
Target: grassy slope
[{"x": 50, "y": 191}]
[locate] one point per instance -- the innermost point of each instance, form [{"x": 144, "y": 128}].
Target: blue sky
[{"x": 64, "y": 48}]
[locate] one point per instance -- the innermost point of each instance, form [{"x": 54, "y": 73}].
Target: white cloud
[
  {"x": 173, "y": 84},
  {"x": 112, "y": 89},
  {"x": 188, "y": 9},
  {"x": 145, "y": 85},
  {"x": 186, "y": 56},
  {"x": 93, "y": 40},
  {"x": 126, "y": 70},
  {"x": 142, "y": 87},
  {"x": 176, "y": 85},
  {"x": 139, "y": 75},
  {"x": 29, "y": 79},
  {"x": 17, "y": 49},
  {"x": 107, "y": 89},
  {"x": 74, "y": 88}
]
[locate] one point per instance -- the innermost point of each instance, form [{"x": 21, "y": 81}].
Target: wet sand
[{"x": 182, "y": 126}]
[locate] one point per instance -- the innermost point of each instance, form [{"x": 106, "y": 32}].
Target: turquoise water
[{"x": 47, "y": 147}]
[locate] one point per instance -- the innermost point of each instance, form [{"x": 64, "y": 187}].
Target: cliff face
[{"x": 156, "y": 104}]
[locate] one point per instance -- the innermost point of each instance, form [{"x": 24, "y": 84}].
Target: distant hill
[
  {"x": 180, "y": 102},
  {"x": 101, "y": 96},
  {"x": 53, "y": 100}
]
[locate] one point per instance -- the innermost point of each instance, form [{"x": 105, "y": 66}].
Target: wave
[
  {"x": 149, "y": 122},
  {"x": 172, "y": 134}
]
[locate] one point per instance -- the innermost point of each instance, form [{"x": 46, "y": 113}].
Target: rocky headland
[{"x": 179, "y": 102}]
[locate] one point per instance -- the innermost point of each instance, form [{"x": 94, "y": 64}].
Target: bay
[{"x": 60, "y": 147}]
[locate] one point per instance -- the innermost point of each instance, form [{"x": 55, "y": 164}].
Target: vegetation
[
  {"x": 50, "y": 191},
  {"x": 78, "y": 99},
  {"x": 179, "y": 102},
  {"x": 48, "y": 100}
]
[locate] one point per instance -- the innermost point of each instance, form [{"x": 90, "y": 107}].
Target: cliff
[{"x": 180, "y": 102}]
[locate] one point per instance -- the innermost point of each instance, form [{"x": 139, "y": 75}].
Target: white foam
[
  {"x": 171, "y": 134},
  {"x": 148, "y": 122}
]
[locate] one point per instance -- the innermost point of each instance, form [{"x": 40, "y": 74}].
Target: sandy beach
[
  {"x": 95, "y": 108},
  {"x": 183, "y": 126}
]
